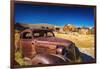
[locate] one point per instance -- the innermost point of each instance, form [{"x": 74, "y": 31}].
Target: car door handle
[{"x": 32, "y": 43}]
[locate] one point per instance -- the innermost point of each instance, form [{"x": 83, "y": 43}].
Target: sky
[{"x": 56, "y": 15}]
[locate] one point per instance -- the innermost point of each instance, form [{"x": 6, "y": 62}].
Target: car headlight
[{"x": 60, "y": 50}]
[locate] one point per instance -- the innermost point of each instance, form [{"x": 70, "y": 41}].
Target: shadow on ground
[{"x": 87, "y": 58}]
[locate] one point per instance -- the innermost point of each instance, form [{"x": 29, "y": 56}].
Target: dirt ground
[{"x": 85, "y": 43}]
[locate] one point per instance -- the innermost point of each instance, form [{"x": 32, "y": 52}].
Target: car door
[{"x": 26, "y": 44}]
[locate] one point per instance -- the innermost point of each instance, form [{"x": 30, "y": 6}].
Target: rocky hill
[{"x": 20, "y": 26}]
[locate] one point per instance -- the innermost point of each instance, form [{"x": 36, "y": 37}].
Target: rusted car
[{"x": 40, "y": 46}]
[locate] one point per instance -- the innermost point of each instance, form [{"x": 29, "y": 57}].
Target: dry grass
[{"x": 83, "y": 42}]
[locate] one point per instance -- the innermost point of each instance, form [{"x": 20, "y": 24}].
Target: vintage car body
[{"x": 40, "y": 44}]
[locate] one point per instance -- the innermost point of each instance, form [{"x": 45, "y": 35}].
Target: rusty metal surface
[
  {"x": 41, "y": 49},
  {"x": 47, "y": 59}
]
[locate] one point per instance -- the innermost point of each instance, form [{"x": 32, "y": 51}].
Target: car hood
[{"x": 53, "y": 40}]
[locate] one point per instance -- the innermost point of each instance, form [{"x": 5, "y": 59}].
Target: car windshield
[{"x": 43, "y": 33}]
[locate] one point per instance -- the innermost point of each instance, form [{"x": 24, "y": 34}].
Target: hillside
[{"x": 18, "y": 25}]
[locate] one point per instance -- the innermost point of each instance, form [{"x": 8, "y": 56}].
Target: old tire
[{"x": 47, "y": 59}]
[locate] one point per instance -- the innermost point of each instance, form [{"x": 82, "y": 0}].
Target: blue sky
[{"x": 56, "y": 15}]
